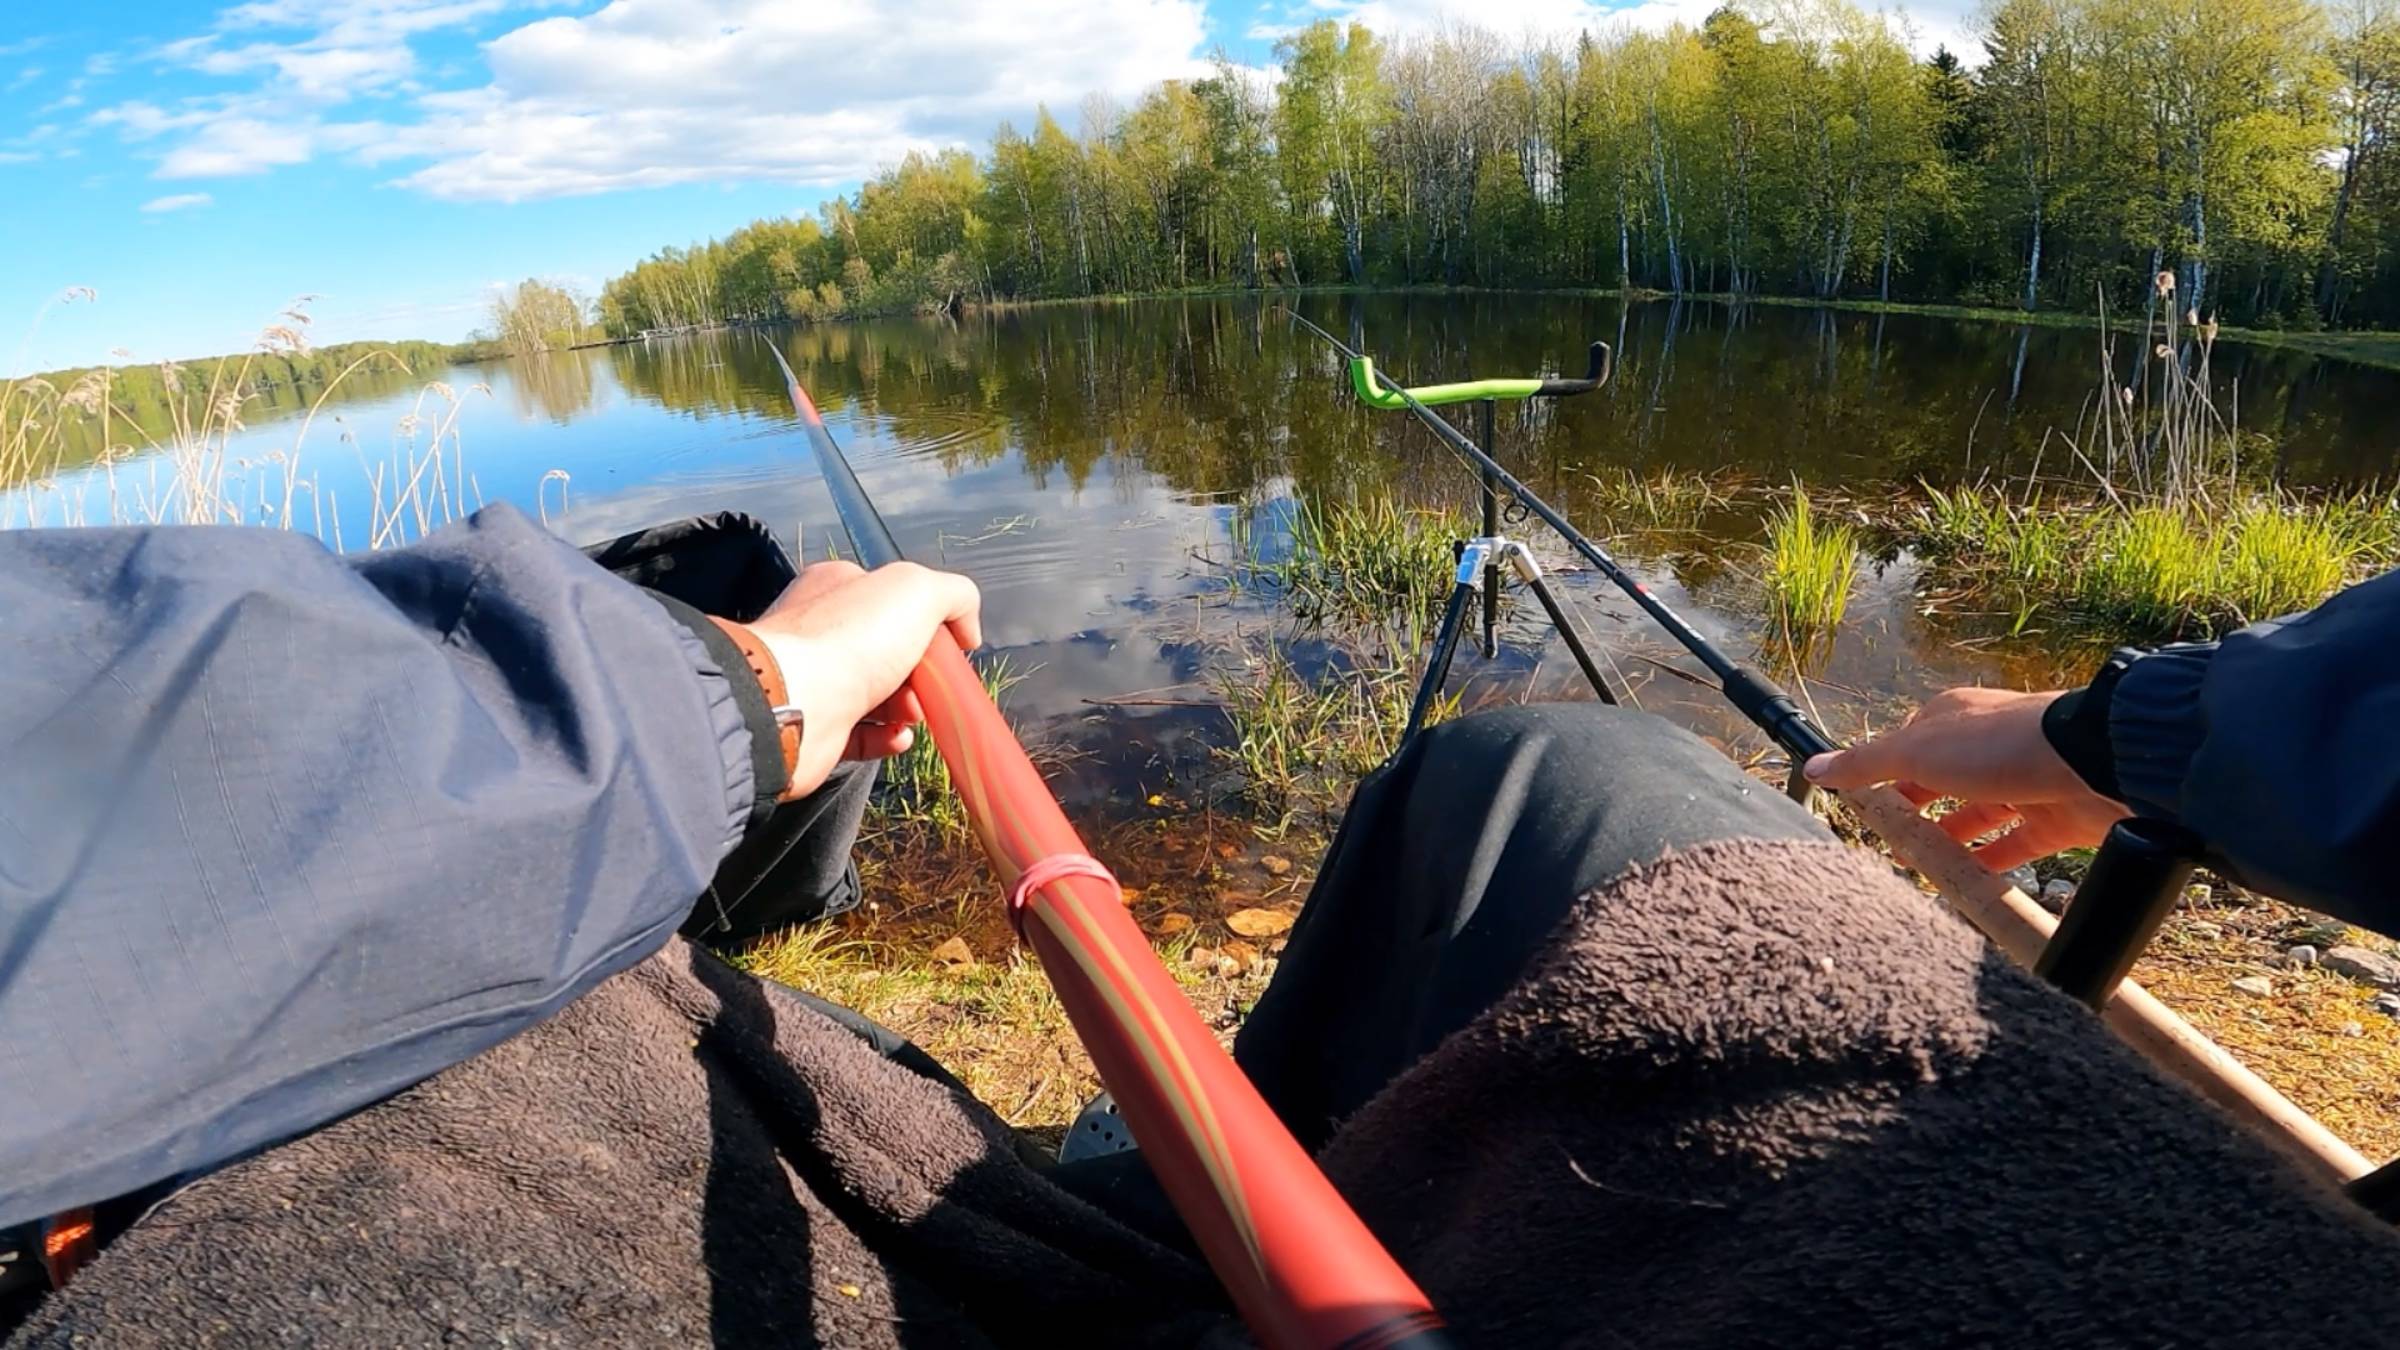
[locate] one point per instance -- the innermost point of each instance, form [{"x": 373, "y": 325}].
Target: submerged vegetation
[
  {"x": 1366, "y": 561},
  {"x": 1300, "y": 740},
  {"x": 1659, "y": 500}
]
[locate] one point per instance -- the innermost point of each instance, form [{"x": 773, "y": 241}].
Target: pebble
[
  {"x": 2056, "y": 894},
  {"x": 2302, "y": 956},
  {"x": 2024, "y": 880},
  {"x": 2204, "y": 930},
  {"x": 2387, "y": 1004},
  {"x": 2362, "y": 965},
  {"x": 2353, "y": 1029},
  {"x": 2257, "y": 986}
]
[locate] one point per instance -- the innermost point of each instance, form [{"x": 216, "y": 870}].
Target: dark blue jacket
[
  {"x": 2279, "y": 747},
  {"x": 282, "y": 833}
]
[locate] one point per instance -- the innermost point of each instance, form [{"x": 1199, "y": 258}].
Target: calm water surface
[{"x": 1087, "y": 465}]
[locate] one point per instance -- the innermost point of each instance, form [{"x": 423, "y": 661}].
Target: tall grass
[
  {"x": 2154, "y": 569},
  {"x": 190, "y": 471},
  {"x": 1810, "y": 566},
  {"x": 2170, "y": 541},
  {"x": 2278, "y": 561},
  {"x": 1300, "y": 743},
  {"x": 2162, "y": 435},
  {"x": 1365, "y": 561}
]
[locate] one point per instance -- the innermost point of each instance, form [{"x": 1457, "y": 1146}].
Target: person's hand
[
  {"x": 846, "y": 640},
  {"x": 1984, "y": 747}
]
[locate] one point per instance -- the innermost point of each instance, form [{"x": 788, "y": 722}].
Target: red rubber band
[{"x": 1056, "y": 867}]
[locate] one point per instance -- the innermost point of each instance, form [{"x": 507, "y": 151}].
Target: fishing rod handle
[
  {"x": 1302, "y": 1268},
  {"x": 2134, "y": 882},
  {"x": 2020, "y": 928},
  {"x": 1767, "y": 704}
]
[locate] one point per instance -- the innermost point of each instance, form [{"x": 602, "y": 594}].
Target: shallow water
[{"x": 1086, "y": 464}]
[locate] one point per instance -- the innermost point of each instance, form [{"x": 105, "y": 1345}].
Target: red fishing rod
[{"x": 1301, "y": 1267}]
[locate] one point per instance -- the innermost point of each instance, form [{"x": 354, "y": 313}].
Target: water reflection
[
  {"x": 1217, "y": 396},
  {"x": 1083, "y": 461},
  {"x": 560, "y": 386}
]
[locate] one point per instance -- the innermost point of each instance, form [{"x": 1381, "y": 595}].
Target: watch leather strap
[{"x": 788, "y": 720}]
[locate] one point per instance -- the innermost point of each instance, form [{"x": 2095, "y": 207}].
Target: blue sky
[{"x": 199, "y": 165}]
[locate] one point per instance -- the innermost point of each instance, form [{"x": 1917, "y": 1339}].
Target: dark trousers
[{"x": 1453, "y": 865}]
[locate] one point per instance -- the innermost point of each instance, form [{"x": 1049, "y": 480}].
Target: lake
[{"x": 1091, "y": 465}]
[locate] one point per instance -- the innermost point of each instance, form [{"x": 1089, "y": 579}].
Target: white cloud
[
  {"x": 24, "y": 77},
  {"x": 306, "y": 57},
  {"x": 355, "y": 23},
  {"x": 652, "y": 92},
  {"x": 645, "y": 93},
  {"x": 139, "y": 120},
  {"x": 234, "y": 145},
  {"x": 60, "y": 104},
  {"x": 315, "y": 74},
  {"x": 181, "y": 201}
]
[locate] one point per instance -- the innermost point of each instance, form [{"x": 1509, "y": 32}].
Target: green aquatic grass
[
  {"x": 1366, "y": 561},
  {"x": 2275, "y": 561},
  {"x": 915, "y": 791},
  {"x": 1810, "y": 568},
  {"x": 1662, "y": 499},
  {"x": 2152, "y": 570},
  {"x": 2147, "y": 570},
  {"x": 1300, "y": 743}
]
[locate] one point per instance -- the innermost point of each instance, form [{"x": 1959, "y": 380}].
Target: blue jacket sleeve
[
  {"x": 282, "y": 833},
  {"x": 2279, "y": 746}
]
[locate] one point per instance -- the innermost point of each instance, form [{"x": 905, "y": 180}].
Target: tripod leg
[
  {"x": 1437, "y": 664},
  {"x": 1491, "y": 530},
  {"x": 1530, "y": 572},
  {"x": 1540, "y": 586}
]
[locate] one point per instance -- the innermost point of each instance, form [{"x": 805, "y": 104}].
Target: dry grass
[
  {"x": 2297, "y": 1038},
  {"x": 192, "y": 475},
  {"x": 994, "y": 1021}
]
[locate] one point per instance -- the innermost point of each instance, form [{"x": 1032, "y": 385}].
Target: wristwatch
[{"x": 790, "y": 721}]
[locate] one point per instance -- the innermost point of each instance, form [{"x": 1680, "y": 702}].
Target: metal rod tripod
[{"x": 1480, "y": 561}]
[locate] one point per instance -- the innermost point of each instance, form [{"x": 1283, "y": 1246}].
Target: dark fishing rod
[
  {"x": 1760, "y": 699},
  {"x": 1304, "y": 1271}
]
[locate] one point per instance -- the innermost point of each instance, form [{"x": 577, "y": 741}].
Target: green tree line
[{"x": 1795, "y": 147}]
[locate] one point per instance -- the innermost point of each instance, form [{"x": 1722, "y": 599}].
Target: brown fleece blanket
[{"x": 1756, "y": 1094}]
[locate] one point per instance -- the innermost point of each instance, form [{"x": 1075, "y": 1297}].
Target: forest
[{"x": 1796, "y": 148}]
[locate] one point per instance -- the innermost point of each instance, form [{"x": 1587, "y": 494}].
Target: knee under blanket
[{"x": 1754, "y": 1094}]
